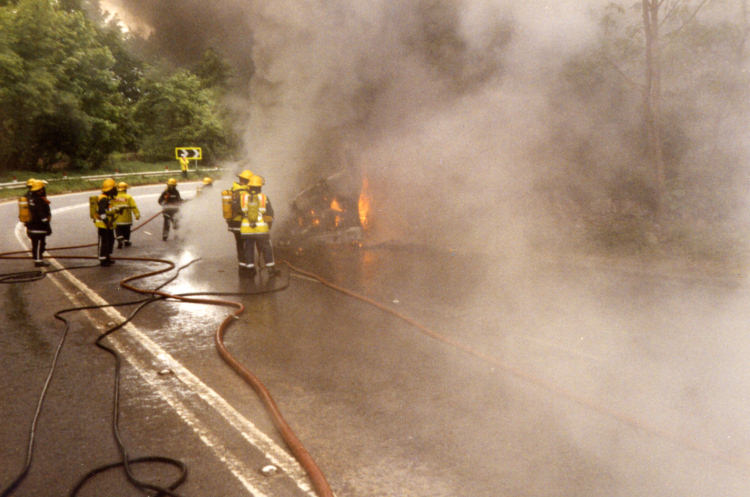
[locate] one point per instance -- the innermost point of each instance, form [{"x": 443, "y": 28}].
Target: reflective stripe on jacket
[
  {"x": 126, "y": 215},
  {"x": 257, "y": 225},
  {"x": 40, "y": 214}
]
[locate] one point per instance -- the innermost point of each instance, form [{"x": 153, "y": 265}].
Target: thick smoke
[
  {"x": 429, "y": 100},
  {"x": 182, "y": 30},
  {"x": 445, "y": 107}
]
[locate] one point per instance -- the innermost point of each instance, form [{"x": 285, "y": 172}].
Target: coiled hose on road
[{"x": 316, "y": 476}]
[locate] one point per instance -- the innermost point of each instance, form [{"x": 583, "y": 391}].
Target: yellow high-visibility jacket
[
  {"x": 130, "y": 209},
  {"x": 258, "y": 222}
]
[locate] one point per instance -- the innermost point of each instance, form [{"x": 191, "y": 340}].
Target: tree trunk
[
  {"x": 652, "y": 99},
  {"x": 743, "y": 40}
]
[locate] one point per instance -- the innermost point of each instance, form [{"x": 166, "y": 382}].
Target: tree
[
  {"x": 177, "y": 111},
  {"x": 652, "y": 13},
  {"x": 59, "y": 104},
  {"x": 213, "y": 70},
  {"x": 648, "y": 117},
  {"x": 652, "y": 94}
]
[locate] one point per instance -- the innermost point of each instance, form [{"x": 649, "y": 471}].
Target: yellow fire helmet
[
  {"x": 256, "y": 180},
  {"x": 207, "y": 180},
  {"x": 122, "y": 186},
  {"x": 171, "y": 182},
  {"x": 108, "y": 184},
  {"x": 29, "y": 182},
  {"x": 37, "y": 185},
  {"x": 246, "y": 174}
]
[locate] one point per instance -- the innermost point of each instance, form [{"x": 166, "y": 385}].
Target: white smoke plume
[{"x": 436, "y": 103}]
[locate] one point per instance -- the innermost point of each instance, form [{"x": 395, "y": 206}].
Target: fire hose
[{"x": 315, "y": 475}]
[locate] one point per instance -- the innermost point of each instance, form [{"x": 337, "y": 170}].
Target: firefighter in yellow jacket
[
  {"x": 124, "y": 220},
  {"x": 255, "y": 227},
  {"x": 234, "y": 220},
  {"x": 106, "y": 212}
]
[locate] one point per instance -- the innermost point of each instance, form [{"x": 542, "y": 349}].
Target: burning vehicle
[{"x": 334, "y": 210}]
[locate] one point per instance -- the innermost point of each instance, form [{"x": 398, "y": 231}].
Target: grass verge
[{"x": 60, "y": 182}]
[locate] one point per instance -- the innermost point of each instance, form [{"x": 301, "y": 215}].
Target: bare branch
[
  {"x": 625, "y": 77},
  {"x": 672, "y": 8},
  {"x": 690, "y": 18}
]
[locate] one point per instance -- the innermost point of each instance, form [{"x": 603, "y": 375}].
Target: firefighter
[
  {"x": 124, "y": 220},
  {"x": 106, "y": 212},
  {"x": 235, "y": 221},
  {"x": 257, "y": 217},
  {"x": 38, "y": 227},
  {"x": 170, "y": 201},
  {"x": 207, "y": 183}
]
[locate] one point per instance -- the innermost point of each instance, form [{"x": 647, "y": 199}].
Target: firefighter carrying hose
[
  {"x": 106, "y": 210},
  {"x": 170, "y": 201},
  {"x": 255, "y": 227},
  {"x": 124, "y": 220},
  {"x": 39, "y": 216}
]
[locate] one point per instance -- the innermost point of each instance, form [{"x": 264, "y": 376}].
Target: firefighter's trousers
[
  {"x": 261, "y": 241},
  {"x": 106, "y": 243},
  {"x": 38, "y": 245}
]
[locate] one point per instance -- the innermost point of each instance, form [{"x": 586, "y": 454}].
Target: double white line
[{"x": 249, "y": 477}]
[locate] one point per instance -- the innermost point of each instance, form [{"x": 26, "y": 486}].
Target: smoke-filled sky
[
  {"x": 448, "y": 108},
  {"x": 424, "y": 97}
]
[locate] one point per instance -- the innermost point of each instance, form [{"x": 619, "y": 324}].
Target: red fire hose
[{"x": 316, "y": 476}]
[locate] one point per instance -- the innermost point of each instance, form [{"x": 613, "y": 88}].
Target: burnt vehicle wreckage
[{"x": 332, "y": 211}]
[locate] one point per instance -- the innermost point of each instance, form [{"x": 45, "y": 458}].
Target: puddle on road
[
  {"x": 189, "y": 326},
  {"x": 19, "y": 321}
]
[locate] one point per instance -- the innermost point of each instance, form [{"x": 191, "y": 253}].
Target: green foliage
[
  {"x": 70, "y": 92},
  {"x": 213, "y": 71},
  {"x": 178, "y": 111},
  {"x": 59, "y": 102}
]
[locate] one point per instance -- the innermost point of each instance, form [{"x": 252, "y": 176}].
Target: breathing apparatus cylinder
[
  {"x": 94, "y": 207},
  {"x": 24, "y": 214},
  {"x": 226, "y": 204}
]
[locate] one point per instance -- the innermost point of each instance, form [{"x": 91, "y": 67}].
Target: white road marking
[{"x": 247, "y": 429}]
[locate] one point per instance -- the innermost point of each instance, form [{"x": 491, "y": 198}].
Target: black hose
[
  {"x": 296, "y": 447},
  {"x": 53, "y": 366},
  {"x": 126, "y": 461}
]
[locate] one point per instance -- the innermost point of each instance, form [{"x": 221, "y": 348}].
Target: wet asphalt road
[{"x": 522, "y": 378}]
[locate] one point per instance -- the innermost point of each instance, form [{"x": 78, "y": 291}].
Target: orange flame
[
  {"x": 335, "y": 206},
  {"x": 364, "y": 205}
]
